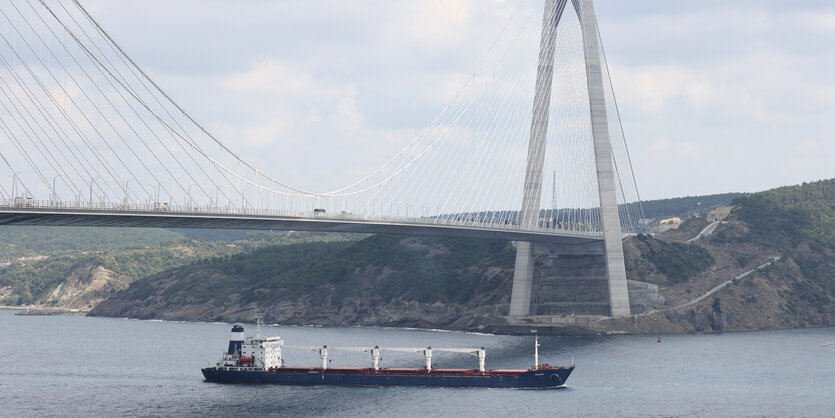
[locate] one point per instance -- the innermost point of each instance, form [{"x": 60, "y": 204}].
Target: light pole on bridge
[
  {"x": 54, "y": 195},
  {"x": 93, "y": 180},
  {"x": 190, "y": 199},
  {"x": 14, "y": 184},
  {"x": 125, "y": 203},
  {"x": 158, "y": 188}
]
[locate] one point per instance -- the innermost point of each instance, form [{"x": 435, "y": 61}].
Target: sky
[{"x": 715, "y": 96}]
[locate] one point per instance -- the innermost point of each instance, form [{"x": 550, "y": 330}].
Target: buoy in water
[{"x": 659, "y": 338}]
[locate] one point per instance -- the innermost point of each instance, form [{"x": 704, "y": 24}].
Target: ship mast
[
  {"x": 536, "y": 351},
  {"x": 258, "y": 322}
]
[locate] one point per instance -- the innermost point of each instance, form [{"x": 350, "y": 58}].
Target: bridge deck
[{"x": 168, "y": 219}]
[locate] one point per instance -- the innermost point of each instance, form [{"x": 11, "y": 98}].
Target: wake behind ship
[{"x": 259, "y": 360}]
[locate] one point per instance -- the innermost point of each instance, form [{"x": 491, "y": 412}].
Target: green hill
[
  {"x": 35, "y": 278},
  {"x": 786, "y": 216},
  {"x": 800, "y": 222},
  {"x": 28, "y": 241},
  {"x": 681, "y": 206},
  {"x": 362, "y": 281}
]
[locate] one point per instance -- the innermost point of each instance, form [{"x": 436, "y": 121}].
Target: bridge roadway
[{"x": 62, "y": 216}]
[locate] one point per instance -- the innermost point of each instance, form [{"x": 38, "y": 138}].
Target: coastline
[
  {"x": 43, "y": 308},
  {"x": 493, "y": 329},
  {"x": 34, "y": 310},
  {"x": 618, "y": 326}
]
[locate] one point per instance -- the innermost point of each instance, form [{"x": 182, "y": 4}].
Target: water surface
[{"x": 79, "y": 366}]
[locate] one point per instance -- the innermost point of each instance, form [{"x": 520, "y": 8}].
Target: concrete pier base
[{"x": 520, "y": 297}]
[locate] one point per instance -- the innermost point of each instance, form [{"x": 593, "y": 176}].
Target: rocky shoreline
[{"x": 45, "y": 311}]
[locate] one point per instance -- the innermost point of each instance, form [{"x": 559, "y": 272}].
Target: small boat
[{"x": 259, "y": 360}]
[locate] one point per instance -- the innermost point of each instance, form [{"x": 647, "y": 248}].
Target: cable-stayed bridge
[{"x": 529, "y": 150}]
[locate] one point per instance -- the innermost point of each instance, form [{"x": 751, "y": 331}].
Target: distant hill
[
  {"x": 681, "y": 206},
  {"x": 786, "y": 216},
  {"x": 27, "y": 241},
  {"x": 30, "y": 241},
  {"x": 228, "y": 235}
]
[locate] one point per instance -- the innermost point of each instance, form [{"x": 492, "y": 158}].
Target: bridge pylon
[{"x": 520, "y": 302}]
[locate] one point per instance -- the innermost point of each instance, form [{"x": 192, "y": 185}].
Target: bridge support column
[
  {"x": 612, "y": 236},
  {"x": 520, "y": 299}
]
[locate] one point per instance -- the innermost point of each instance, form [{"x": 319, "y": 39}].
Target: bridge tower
[{"x": 520, "y": 301}]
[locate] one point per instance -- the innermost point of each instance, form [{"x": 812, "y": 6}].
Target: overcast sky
[{"x": 716, "y": 96}]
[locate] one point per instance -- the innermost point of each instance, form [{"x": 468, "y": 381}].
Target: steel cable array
[{"x": 86, "y": 125}]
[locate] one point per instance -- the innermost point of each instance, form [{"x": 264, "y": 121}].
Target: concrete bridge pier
[
  {"x": 520, "y": 296},
  {"x": 520, "y": 299},
  {"x": 529, "y": 215}
]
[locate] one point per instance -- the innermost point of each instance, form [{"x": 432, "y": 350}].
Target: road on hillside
[
  {"x": 717, "y": 288},
  {"x": 705, "y": 232}
]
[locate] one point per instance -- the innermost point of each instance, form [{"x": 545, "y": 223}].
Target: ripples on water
[{"x": 78, "y": 366}]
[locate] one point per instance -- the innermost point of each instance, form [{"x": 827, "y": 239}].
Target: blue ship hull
[{"x": 528, "y": 379}]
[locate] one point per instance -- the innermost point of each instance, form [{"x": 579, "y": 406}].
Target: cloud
[
  {"x": 663, "y": 148},
  {"x": 431, "y": 23},
  {"x": 274, "y": 127},
  {"x": 280, "y": 79},
  {"x": 822, "y": 22},
  {"x": 349, "y": 117},
  {"x": 290, "y": 103}
]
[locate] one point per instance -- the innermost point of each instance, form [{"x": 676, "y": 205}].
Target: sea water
[{"x": 80, "y": 366}]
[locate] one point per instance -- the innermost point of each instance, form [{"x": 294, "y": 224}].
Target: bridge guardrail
[{"x": 41, "y": 206}]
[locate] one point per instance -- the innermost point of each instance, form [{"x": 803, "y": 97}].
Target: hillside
[
  {"x": 465, "y": 284},
  {"x": 389, "y": 280},
  {"x": 338, "y": 279},
  {"x": 796, "y": 223},
  {"x": 60, "y": 276}
]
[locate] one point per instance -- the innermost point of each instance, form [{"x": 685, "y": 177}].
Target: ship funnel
[{"x": 236, "y": 340}]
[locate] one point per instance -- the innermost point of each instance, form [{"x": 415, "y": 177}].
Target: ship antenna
[{"x": 536, "y": 350}]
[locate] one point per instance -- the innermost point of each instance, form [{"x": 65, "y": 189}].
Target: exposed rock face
[{"x": 86, "y": 287}]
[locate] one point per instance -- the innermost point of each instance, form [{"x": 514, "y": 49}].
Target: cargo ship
[{"x": 259, "y": 360}]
